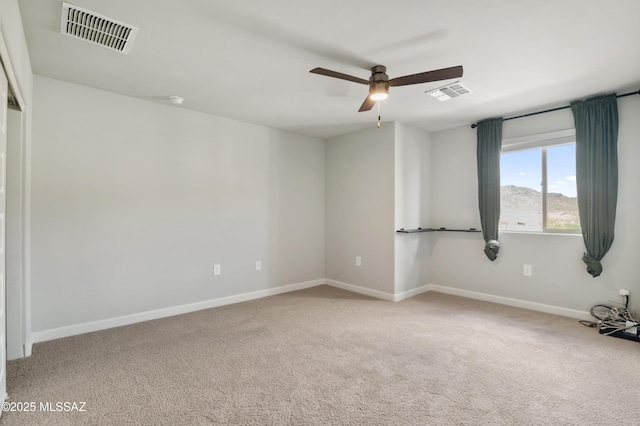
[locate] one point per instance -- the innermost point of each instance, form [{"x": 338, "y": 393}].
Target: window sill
[{"x": 566, "y": 234}]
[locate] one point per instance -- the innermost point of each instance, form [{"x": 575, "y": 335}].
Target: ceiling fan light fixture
[
  {"x": 379, "y": 96},
  {"x": 379, "y": 91}
]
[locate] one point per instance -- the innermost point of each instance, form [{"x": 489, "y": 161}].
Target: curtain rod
[{"x": 474, "y": 125}]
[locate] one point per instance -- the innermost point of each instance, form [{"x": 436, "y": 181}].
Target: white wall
[
  {"x": 412, "y": 207},
  {"x": 559, "y": 276},
  {"x": 360, "y": 208},
  {"x": 134, "y": 202}
]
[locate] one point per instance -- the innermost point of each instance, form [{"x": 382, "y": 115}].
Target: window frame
[{"x": 541, "y": 141}]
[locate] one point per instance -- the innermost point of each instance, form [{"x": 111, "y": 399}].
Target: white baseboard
[
  {"x": 378, "y": 294},
  {"x": 72, "y": 330},
  {"x": 540, "y": 307},
  {"x": 410, "y": 293},
  {"x": 360, "y": 290}
]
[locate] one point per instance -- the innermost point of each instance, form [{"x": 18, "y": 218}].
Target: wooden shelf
[{"x": 411, "y": 231}]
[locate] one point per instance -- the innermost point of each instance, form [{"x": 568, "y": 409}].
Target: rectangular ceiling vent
[
  {"x": 453, "y": 90},
  {"x": 97, "y": 29}
]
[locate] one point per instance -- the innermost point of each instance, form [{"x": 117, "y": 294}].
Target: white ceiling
[{"x": 249, "y": 60}]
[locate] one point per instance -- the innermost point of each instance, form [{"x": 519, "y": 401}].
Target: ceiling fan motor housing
[{"x": 378, "y": 73}]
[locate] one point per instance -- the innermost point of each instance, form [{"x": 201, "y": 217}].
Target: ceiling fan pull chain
[{"x": 378, "y": 114}]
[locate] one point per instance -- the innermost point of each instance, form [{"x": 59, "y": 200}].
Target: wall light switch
[
  {"x": 358, "y": 261},
  {"x": 258, "y": 265}
]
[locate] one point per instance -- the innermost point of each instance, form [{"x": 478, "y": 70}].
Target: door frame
[{"x": 18, "y": 247}]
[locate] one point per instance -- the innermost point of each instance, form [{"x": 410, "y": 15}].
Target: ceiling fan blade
[
  {"x": 425, "y": 77},
  {"x": 367, "y": 104},
  {"x": 341, "y": 76}
]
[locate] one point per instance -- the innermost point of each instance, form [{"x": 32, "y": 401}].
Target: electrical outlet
[
  {"x": 217, "y": 270},
  {"x": 527, "y": 270},
  {"x": 624, "y": 292},
  {"x": 358, "y": 261},
  {"x": 258, "y": 265}
]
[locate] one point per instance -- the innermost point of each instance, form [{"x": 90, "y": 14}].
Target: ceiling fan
[{"x": 379, "y": 82}]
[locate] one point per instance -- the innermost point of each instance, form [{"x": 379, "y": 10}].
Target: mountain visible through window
[{"x": 538, "y": 190}]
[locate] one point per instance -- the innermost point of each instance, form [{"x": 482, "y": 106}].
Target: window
[{"x": 538, "y": 184}]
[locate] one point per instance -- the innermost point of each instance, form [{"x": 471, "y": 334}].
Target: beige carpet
[{"x": 326, "y": 356}]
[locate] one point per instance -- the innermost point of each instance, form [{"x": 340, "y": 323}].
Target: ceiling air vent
[
  {"x": 453, "y": 90},
  {"x": 97, "y": 29}
]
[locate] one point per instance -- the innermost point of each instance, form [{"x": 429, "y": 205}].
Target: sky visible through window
[{"x": 524, "y": 168}]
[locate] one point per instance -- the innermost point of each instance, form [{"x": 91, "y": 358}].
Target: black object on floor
[{"x": 621, "y": 334}]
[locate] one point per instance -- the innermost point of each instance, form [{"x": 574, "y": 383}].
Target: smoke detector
[
  {"x": 97, "y": 29},
  {"x": 176, "y": 100},
  {"x": 453, "y": 90}
]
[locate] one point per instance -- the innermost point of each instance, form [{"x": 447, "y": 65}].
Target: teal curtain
[
  {"x": 596, "y": 121},
  {"x": 489, "y": 142}
]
